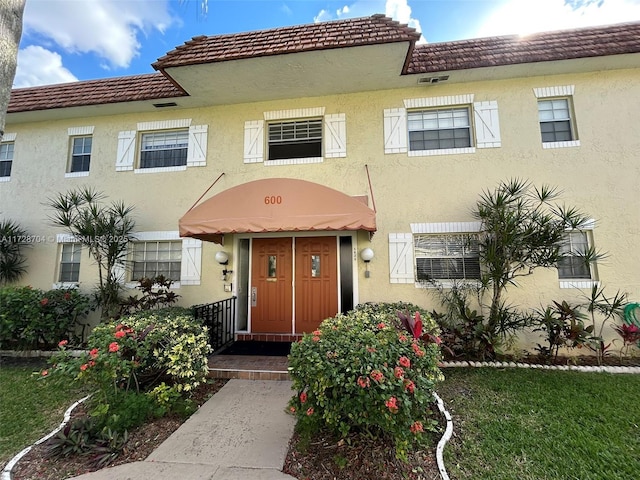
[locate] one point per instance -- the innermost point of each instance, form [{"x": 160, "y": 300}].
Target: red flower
[
  {"x": 93, "y": 353},
  {"x": 92, "y": 363},
  {"x": 310, "y": 411},
  {"x": 416, "y": 428},
  {"x": 381, "y": 325},
  {"x": 84, "y": 367},
  {"x": 315, "y": 338},
  {"x": 405, "y": 362},
  {"x": 409, "y": 386},
  {"x": 67, "y": 296},
  {"x": 62, "y": 343},
  {"x": 120, "y": 334},
  {"x": 44, "y": 301},
  {"x": 402, "y": 338},
  {"x": 364, "y": 382},
  {"x": 44, "y": 373},
  {"x": 114, "y": 347},
  {"x": 119, "y": 327},
  {"x": 303, "y": 397},
  {"x": 398, "y": 372},
  {"x": 292, "y": 409},
  {"x": 417, "y": 350},
  {"x": 317, "y": 332},
  {"x": 377, "y": 375},
  {"x": 392, "y": 404},
  {"x": 371, "y": 349}
]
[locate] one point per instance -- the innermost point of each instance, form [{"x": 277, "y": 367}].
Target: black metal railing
[{"x": 218, "y": 317}]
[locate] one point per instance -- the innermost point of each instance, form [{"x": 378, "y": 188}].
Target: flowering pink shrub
[{"x": 363, "y": 373}]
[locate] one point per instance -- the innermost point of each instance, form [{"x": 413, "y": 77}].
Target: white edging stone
[
  {"x": 575, "y": 368},
  {"x": 445, "y": 438},
  {"x": 6, "y": 472}
]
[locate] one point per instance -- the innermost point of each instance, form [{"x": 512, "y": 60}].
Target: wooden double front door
[{"x": 294, "y": 283}]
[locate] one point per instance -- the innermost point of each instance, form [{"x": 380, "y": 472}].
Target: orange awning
[{"x": 276, "y": 205}]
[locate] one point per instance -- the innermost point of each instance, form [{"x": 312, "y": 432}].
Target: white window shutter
[
  {"x": 401, "y": 265},
  {"x": 254, "y": 141},
  {"x": 197, "y": 148},
  {"x": 335, "y": 140},
  {"x": 487, "y": 124},
  {"x": 126, "y": 150},
  {"x": 191, "y": 261},
  {"x": 395, "y": 130}
]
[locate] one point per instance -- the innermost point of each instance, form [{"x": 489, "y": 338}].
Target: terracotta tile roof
[
  {"x": 376, "y": 29},
  {"x": 539, "y": 47},
  {"x": 93, "y": 92}
]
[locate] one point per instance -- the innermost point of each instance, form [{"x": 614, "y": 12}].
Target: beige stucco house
[{"x": 310, "y": 144}]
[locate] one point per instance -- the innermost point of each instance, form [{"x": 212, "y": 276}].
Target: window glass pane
[
  {"x": 70, "y": 262},
  {"x": 573, "y": 265},
  {"x": 448, "y": 256},
  {"x": 315, "y": 266},
  {"x": 151, "y": 259},
  {"x": 271, "y": 266},
  {"x": 164, "y": 149}
]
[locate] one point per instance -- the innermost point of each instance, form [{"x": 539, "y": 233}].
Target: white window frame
[
  {"x": 333, "y": 141},
  {"x": 463, "y": 237},
  {"x": 402, "y": 262},
  {"x": 583, "y": 283},
  {"x": 191, "y": 260},
  {"x": 73, "y": 133},
  {"x": 563, "y": 92},
  {"x": 484, "y": 124},
  {"x": 9, "y": 138},
  {"x": 129, "y": 147},
  {"x": 64, "y": 239},
  {"x": 441, "y": 115}
]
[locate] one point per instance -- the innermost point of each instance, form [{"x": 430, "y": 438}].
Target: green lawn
[
  {"x": 522, "y": 424},
  {"x": 29, "y": 408}
]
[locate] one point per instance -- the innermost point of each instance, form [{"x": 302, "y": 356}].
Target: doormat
[{"x": 252, "y": 347}]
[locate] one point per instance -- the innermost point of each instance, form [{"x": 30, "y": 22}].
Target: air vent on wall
[
  {"x": 167, "y": 104},
  {"x": 433, "y": 80}
]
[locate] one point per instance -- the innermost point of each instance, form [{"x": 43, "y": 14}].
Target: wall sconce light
[
  {"x": 223, "y": 259},
  {"x": 366, "y": 255}
]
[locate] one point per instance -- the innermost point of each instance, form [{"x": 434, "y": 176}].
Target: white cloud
[
  {"x": 523, "y": 16},
  {"x": 108, "y": 28},
  {"x": 39, "y": 66},
  {"x": 397, "y": 9}
]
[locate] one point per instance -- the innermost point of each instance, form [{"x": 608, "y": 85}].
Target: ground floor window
[
  {"x": 154, "y": 258},
  {"x": 573, "y": 265},
  {"x": 447, "y": 256},
  {"x": 70, "y": 263}
]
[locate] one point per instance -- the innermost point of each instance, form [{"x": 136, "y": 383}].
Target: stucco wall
[{"x": 600, "y": 176}]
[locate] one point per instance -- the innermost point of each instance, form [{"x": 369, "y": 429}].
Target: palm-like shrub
[{"x": 12, "y": 255}]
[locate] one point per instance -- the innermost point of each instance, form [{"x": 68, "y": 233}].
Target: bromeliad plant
[{"x": 364, "y": 373}]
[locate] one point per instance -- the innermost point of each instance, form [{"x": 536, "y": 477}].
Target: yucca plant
[{"x": 105, "y": 229}]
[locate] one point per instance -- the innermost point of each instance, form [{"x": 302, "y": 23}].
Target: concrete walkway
[{"x": 241, "y": 433}]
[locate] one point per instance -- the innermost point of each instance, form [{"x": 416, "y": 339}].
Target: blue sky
[{"x": 69, "y": 40}]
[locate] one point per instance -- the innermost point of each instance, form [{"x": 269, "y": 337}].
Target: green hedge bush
[
  {"x": 362, "y": 372},
  {"x": 31, "y": 318}
]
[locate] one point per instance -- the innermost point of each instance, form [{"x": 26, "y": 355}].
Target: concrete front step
[{"x": 249, "y": 367}]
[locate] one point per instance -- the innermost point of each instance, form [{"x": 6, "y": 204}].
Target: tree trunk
[{"x": 11, "y": 12}]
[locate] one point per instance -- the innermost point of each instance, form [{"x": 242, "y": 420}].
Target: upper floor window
[
  {"x": 555, "y": 120},
  {"x": 453, "y": 124},
  {"x": 70, "y": 263},
  {"x": 162, "y": 146},
  {"x": 295, "y": 139},
  {"x": 80, "y": 154},
  {"x": 555, "y": 116},
  {"x": 151, "y": 259},
  {"x": 6, "y": 158},
  {"x": 164, "y": 149},
  {"x": 573, "y": 265},
  {"x": 439, "y": 129},
  {"x": 297, "y": 136},
  {"x": 451, "y": 256}
]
